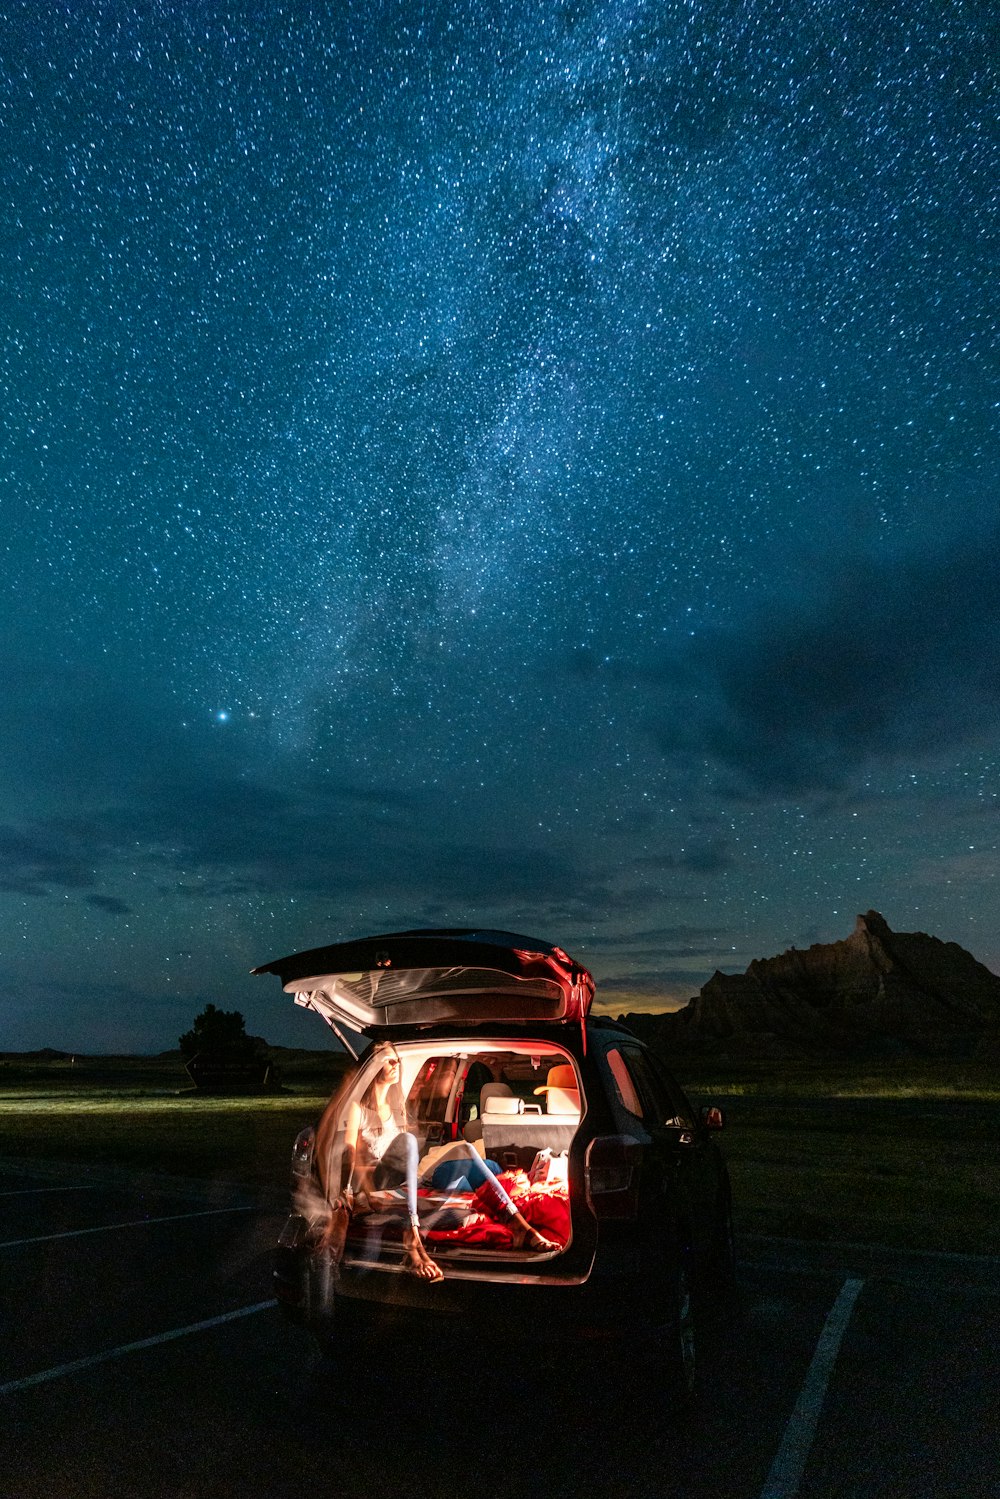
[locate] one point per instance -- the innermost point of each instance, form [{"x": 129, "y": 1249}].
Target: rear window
[{"x": 628, "y": 1096}]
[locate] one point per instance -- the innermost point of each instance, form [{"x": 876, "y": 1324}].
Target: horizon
[{"x": 619, "y": 1008}]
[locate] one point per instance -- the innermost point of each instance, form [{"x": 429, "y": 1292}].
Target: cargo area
[{"x": 491, "y": 1125}]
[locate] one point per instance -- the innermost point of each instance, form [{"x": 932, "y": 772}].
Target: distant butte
[{"x": 878, "y": 993}]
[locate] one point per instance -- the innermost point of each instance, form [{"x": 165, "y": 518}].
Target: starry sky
[{"x": 529, "y": 465}]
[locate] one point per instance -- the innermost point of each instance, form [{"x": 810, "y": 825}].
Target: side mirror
[{"x": 712, "y": 1117}]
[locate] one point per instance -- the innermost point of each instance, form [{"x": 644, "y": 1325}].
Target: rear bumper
[{"x": 603, "y": 1300}]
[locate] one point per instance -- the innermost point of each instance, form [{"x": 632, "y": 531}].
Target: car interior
[{"x": 515, "y": 1107}]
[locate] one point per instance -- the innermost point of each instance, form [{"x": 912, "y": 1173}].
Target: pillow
[
  {"x": 458, "y": 1149},
  {"x": 501, "y": 1105}
]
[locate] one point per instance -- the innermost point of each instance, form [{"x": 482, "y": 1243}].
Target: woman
[{"x": 380, "y": 1155}]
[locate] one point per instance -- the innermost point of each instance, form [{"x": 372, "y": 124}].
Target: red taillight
[
  {"x": 612, "y": 1176},
  {"x": 302, "y": 1151}
]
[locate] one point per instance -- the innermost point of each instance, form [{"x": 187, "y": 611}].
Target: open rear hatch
[{"x": 435, "y": 977}]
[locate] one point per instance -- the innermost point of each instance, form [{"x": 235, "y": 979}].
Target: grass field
[
  {"x": 906, "y": 1156},
  {"x": 143, "y": 1112}
]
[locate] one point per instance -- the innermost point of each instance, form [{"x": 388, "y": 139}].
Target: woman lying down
[{"x": 380, "y": 1168}]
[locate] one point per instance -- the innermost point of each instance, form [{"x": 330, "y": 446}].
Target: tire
[
  {"x": 334, "y": 1333},
  {"x": 319, "y": 1273},
  {"x": 665, "y": 1373},
  {"x": 679, "y": 1351},
  {"x": 726, "y": 1287}
]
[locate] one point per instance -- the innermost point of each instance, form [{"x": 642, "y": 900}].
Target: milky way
[{"x": 530, "y": 466}]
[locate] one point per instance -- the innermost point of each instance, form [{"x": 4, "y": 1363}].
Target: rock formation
[{"x": 877, "y": 993}]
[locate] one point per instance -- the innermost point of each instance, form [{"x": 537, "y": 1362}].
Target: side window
[
  {"x": 428, "y": 1098},
  {"x": 683, "y": 1112},
  {"x": 662, "y": 1104},
  {"x": 475, "y": 1079},
  {"x": 628, "y": 1096}
]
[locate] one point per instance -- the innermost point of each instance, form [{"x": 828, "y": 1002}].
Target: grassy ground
[
  {"x": 143, "y": 1112},
  {"x": 907, "y": 1155}
]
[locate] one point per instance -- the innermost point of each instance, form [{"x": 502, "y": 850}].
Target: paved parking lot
[{"x": 141, "y": 1355}]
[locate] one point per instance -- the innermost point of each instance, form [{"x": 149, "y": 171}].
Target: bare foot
[
  {"x": 418, "y": 1261},
  {"x": 334, "y": 1231},
  {"x": 526, "y": 1237}
]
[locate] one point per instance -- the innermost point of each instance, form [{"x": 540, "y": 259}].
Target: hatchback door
[{"x": 432, "y": 977}]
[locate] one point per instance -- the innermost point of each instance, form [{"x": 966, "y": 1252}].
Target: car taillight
[
  {"x": 612, "y": 1176},
  {"x": 302, "y": 1152}
]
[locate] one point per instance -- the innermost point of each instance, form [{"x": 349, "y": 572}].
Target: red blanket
[{"x": 545, "y": 1206}]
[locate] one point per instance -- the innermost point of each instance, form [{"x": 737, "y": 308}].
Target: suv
[{"x": 595, "y": 1141}]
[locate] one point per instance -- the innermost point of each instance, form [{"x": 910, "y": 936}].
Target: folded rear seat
[{"x": 513, "y": 1127}]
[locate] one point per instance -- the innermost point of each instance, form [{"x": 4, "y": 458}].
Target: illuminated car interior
[{"x": 515, "y": 1105}]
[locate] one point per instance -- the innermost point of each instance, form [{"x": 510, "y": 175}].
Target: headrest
[{"x": 500, "y": 1104}]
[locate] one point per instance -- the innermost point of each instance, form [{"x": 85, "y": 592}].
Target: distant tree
[{"x": 216, "y": 1031}]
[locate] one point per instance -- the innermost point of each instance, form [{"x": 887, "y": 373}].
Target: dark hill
[{"x": 877, "y": 993}]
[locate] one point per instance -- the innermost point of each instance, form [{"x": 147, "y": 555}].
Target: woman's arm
[
  {"x": 351, "y": 1130},
  {"x": 326, "y": 1132}
]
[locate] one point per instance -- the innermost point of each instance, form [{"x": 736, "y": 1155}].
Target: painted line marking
[
  {"x": 13, "y": 1385},
  {"x": 789, "y": 1464},
  {"x": 31, "y": 1191},
  {"x": 106, "y": 1228}
]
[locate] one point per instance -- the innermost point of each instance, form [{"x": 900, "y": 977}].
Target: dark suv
[{"x": 593, "y": 1138}]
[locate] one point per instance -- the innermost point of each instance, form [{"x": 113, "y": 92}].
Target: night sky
[{"x": 529, "y": 465}]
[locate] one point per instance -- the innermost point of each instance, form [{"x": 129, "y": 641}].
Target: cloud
[
  {"x": 880, "y": 665},
  {"x": 109, "y": 903},
  {"x": 667, "y": 989},
  {"x": 34, "y": 859},
  {"x": 657, "y": 936},
  {"x": 219, "y": 832},
  {"x": 701, "y": 856},
  {"x": 80, "y": 1015},
  {"x": 653, "y": 984}
]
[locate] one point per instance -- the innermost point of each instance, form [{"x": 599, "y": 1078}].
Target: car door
[{"x": 681, "y": 1153}]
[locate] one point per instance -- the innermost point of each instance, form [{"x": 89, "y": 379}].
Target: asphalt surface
[{"x": 140, "y": 1355}]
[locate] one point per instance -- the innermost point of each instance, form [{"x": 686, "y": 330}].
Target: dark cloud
[
  {"x": 32, "y": 860},
  {"x": 652, "y": 984},
  {"x": 235, "y": 836},
  {"x": 700, "y": 856},
  {"x": 109, "y": 903},
  {"x": 883, "y": 664},
  {"x": 128, "y": 1018},
  {"x": 656, "y": 935}
]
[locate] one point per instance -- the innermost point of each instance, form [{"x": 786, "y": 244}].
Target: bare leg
[
  {"x": 525, "y": 1237},
  {"x": 418, "y": 1261}
]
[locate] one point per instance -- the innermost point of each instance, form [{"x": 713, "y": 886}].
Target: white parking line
[
  {"x": 105, "y": 1228},
  {"x": 13, "y": 1385},
  {"x": 789, "y": 1465},
  {"x": 31, "y": 1191}
]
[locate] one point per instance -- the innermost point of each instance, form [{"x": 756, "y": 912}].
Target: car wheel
[
  {"x": 331, "y": 1331},
  {"x": 726, "y": 1279},
  {"x": 676, "y": 1354}
]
